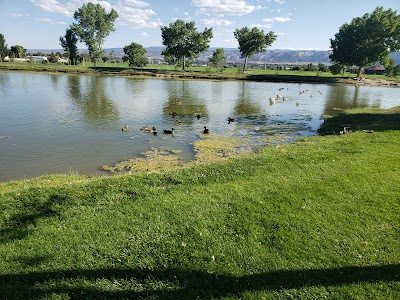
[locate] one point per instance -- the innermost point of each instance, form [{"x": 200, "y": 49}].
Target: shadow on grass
[
  {"x": 372, "y": 120},
  {"x": 291, "y": 78},
  {"x": 180, "y": 284},
  {"x": 17, "y": 226}
]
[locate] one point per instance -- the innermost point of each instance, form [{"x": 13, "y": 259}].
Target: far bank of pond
[{"x": 254, "y": 75}]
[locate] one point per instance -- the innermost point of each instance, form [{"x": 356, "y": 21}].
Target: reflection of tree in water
[
  {"x": 183, "y": 101},
  {"x": 54, "y": 79},
  {"x": 74, "y": 87},
  {"x": 94, "y": 103},
  {"x": 341, "y": 97},
  {"x": 4, "y": 83},
  {"x": 244, "y": 105}
]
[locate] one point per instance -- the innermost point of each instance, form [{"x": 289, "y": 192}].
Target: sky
[{"x": 299, "y": 24}]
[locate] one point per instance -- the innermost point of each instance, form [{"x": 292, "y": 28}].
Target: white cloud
[
  {"x": 277, "y": 19},
  {"x": 47, "y": 20},
  {"x": 216, "y": 22},
  {"x": 68, "y": 8},
  {"x": 143, "y": 34},
  {"x": 226, "y": 7},
  {"x": 280, "y": 1},
  {"x": 136, "y": 3},
  {"x": 261, "y": 26},
  {"x": 54, "y": 6},
  {"x": 20, "y": 15},
  {"x": 131, "y": 12}
]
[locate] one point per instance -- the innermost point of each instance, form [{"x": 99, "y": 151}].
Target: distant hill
[{"x": 273, "y": 56}]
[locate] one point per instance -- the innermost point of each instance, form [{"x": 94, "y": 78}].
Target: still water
[{"x": 63, "y": 123}]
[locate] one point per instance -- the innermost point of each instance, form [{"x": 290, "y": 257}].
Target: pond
[{"x": 67, "y": 123}]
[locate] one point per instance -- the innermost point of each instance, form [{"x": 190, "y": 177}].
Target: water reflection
[
  {"x": 60, "y": 123},
  {"x": 183, "y": 102},
  {"x": 98, "y": 110},
  {"x": 244, "y": 102},
  {"x": 346, "y": 97}
]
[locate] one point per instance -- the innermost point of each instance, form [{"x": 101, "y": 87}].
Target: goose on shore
[{"x": 206, "y": 130}]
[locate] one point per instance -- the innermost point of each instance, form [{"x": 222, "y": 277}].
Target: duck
[
  {"x": 154, "y": 131},
  {"x": 174, "y": 114},
  {"x": 167, "y": 131},
  {"x": 178, "y": 102},
  {"x": 198, "y": 117},
  {"x": 230, "y": 120},
  {"x": 206, "y": 130},
  {"x": 145, "y": 128},
  {"x": 125, "y": 128}
]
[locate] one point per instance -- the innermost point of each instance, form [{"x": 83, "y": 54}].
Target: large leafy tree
[
  {"x": 252, "y": 41},
  {"x": 93, "y": 25},
  {"x": 218, "y": 57},
  {"x": 68, "y": 42},
  {"x": 135, "y": 55},
  {"x": 3, "y": 47},
  {"x": 367, "y": 39},
  {"x": 17, "y": 51},
  {"x": 183, "y": 42}
]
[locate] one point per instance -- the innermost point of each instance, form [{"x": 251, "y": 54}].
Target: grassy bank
[
  {"x": 165, "y": 71},
  {"x": 317, "y": 219}
]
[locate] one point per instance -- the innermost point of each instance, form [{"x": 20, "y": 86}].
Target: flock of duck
[
  {"x": 274, "y": 100},
  {"x": 171, "y": 131},
  {"x": 153, "y": 130}
]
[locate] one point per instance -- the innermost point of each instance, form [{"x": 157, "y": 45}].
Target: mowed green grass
[{"x": 316, "y": 219}]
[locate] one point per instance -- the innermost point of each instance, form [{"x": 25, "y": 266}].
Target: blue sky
[{"x": 300, "y": 24}]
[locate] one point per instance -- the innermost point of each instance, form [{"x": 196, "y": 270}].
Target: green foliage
[
  {"x": 218, "y": 57},
  {"x": 3, "y": 47},
  {"x": 52, "y": 58},
  {"x": 337, "y": 69},
  {"x": 367, "y": 39},
  {"x": 17, "y": 51},
  {"x": 135, "y": 55},
  {"x": 183, "y": 42},
  {"x": 93, "y": 25},
  {"x": 69, "y": 44},
  {"x": 253, "y": 41}
]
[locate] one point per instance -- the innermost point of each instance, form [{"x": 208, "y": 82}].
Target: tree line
[{"x": 364, "y": 41}]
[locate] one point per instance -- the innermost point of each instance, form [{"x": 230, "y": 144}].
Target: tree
[
  {"x": 93, "y": 26},
  {"x": 367, "y": 39},
  {"x": 52, "y": 58},
  {"x": 17, "y": 51},
  {"x": 183, "y": 42},
  {"x": 135, "y": 55},
  {"x": 218, "y": 57},
  {"x": 68, "y": 43},
  {"x": 3, "y": 47},
  {"x": 252, "y": 41}
]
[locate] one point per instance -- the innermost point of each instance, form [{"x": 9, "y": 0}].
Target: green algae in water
[{"x": 155, "y": 159}]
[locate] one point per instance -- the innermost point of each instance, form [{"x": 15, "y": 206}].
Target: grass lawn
[{"x": 316, "y": 219}]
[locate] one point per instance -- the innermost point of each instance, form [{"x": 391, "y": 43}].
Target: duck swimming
[
  {"x": 230, "y": 120},
  {"x": 167, "y": 131},
  {"x": 125, "y": 128},
  {"x": 146, "y": 128}
]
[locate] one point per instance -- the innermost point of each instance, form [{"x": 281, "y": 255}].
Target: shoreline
[{"x": 197, "y": 75}]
